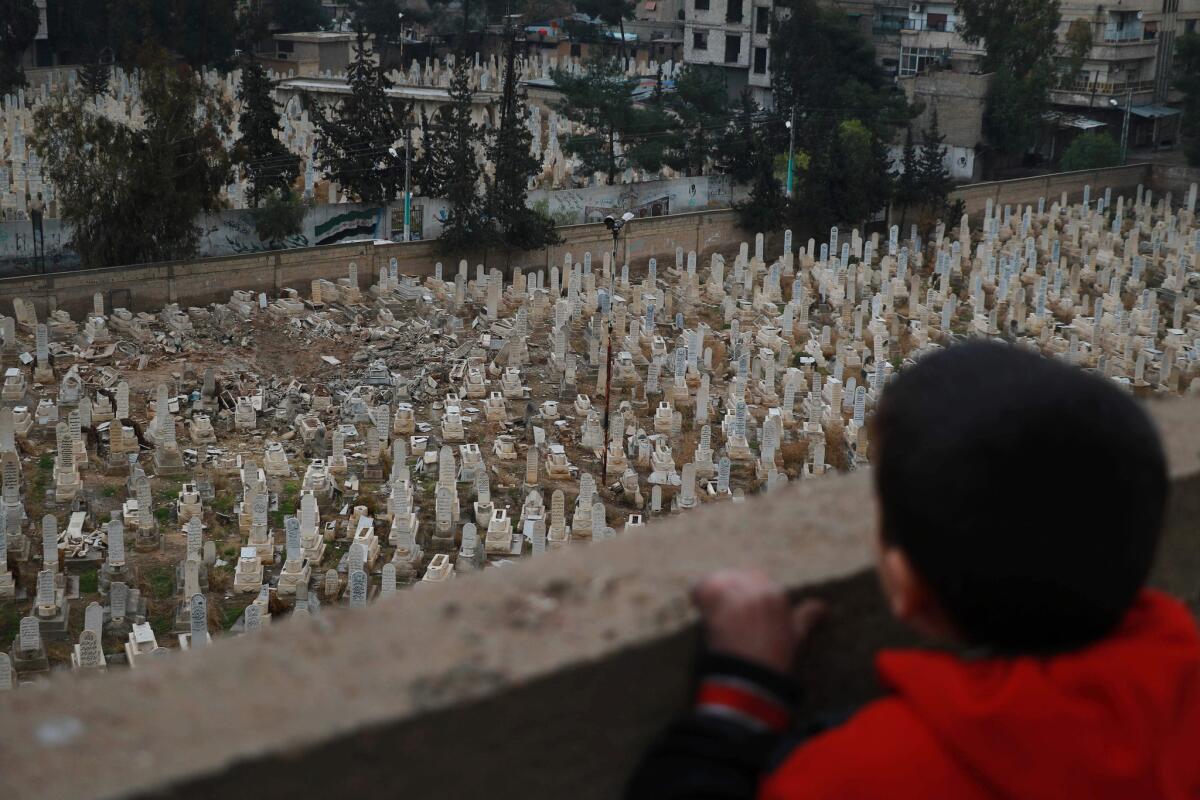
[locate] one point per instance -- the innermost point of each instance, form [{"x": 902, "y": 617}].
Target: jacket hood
[{"x": 1118, "y": 719}]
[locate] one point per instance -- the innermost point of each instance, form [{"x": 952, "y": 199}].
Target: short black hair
[{"x": 1029, "y": 494}]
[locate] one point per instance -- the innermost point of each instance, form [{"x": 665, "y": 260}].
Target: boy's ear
[{"x": 903, "y": 587}]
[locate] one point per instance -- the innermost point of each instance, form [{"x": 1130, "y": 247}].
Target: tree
[
  {"x": 1187, "y": 80},
  {"x": 825, "y": 69},
  {"x": 205, "y": 32},
  {"x": 300, "y": 15},
  {"x": 1021, "y": 39},
  {"x": 766, "y": 208},
  {"x": 934, "y": 183},
  {"x": 844, "y": 178},
  {"x": 19, "y": 22},
  {"x": 618, "y": 133},
  {"x": 514, "y": 225},
  {"x": 268, "y": 165},
  {"x": 79, "y": 29},
  {"x": 908, "y": 181},
  {"x": 132, "y": 195},
  {"x": 612, "y": 13},
  {"x": 140, "y": 30},
  {"x": 279, "y": 216},
  {"x": 697, "y": 108},
  {"x": 93, "y": 78},
  {"x": 428, "y": 168},
  {"x": 358, "y": 136},
  {"x": 465, "y": 226},
  {"x": 381, "y": 19},
  {"x": 1078, "y": 44},
  {"x": 736, "y": 148},
  {"x": 1091, "y": 151}
]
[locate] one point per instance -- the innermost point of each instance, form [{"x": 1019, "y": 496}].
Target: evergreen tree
[
  {"x": 268, "y": 165},
  {"x": 299, "y": 15},
  {"x": 278, "y": 217},
  {"x": 844, "y": 179},
  {"x": 766, "y": 207},
  {"x": 908, "y": 182},
  {"x": 514, "y": 225},
  {"x": 132, "y": 195},
  {"x": 205, "y": 32},
  {"x": 601, "y": 101},
  {"x": 465, "y": 226},
  {"x": 428, "y": 168},
  {"x": 19, "y": 22},
  {"x": 612, "y": 13},
  {"x": 697, "y": 108},
  {"x": 357, "y": 137},
  {"x": 1187, "y": 80},
  {"x": 93, "y": 78},
  {"x": 935, "y": 182},
  {"x": 736, "y": 148}
]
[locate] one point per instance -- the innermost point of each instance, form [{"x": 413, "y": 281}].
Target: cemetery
[{"x": 171, "y": 480}]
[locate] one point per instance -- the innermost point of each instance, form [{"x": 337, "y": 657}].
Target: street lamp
[
  {"x": 791, "y": 126},
  {"x": 407, "y": 193},
  {"x": 1112, "y": 101},
  {"x": 614, "y": 225}
]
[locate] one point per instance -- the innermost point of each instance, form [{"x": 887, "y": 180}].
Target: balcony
[{"x": 1092, "y": 94}]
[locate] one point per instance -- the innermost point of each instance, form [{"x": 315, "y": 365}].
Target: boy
[{"x": 1020, "y": 502}]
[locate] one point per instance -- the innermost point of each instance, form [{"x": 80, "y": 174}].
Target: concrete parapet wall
[
  {"x": 1026, "y": 191},
  {"x": 198, "y": 282},
  {"x": 545, "y": 679}
]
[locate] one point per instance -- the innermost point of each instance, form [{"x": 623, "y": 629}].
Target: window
[
  {"x": 762, "y": 19},
  {"x": 733, "y": 11},
  {"x": 576, "y": 50},
  {"x": 702, "y": 5},
  {"x": 286, "y": 47},
  {"x": 935, "y": 22},
  {"x": 733, "y": 48},
  {"x": 760, "y": 61},
  {"x": 1189, "y": 26},
  {"x": 700, "y": 41}
]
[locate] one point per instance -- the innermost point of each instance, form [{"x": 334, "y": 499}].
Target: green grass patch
[
  {"x": 110, "y": 491},
  {"x": 160, "y": 581},
  {"x": 162, "y": 623},
  {"x": 46, "y": 463},
  {"x": 162, "y": 513},
  {"x": 10, "y": 621},
  {"x": 230, "y": 616},
  {"x": 89, "y": 582},
  {"x": 224, "y": 504}
]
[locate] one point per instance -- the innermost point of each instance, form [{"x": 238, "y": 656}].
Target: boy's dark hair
[{"x": 1027, "y": 493}]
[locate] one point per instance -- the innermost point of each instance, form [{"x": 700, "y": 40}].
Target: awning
[
  {"x": 1154, "y": 112},
  {"x": 1072, "y": 121}
]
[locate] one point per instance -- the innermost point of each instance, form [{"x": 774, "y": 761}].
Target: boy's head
[{"x": 1025, "y": 496}]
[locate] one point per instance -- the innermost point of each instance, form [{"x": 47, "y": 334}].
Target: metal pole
[
  {"x": 407, "y": 193},
  {"x": 1125, "y": 125},
  {"x": 791, "y": 149}
]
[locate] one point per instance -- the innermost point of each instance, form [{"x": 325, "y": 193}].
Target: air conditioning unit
[{"x": 916, "y": 8}]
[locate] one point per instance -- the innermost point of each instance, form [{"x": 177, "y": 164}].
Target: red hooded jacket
[{"x": 1119, "y": 719}]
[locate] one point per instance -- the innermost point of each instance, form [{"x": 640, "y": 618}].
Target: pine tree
[
  {"x": 935, "y": 183},
  {"x": 735, "y": 153},
  {"x": 698, "y": 106},
  {"x": 514, "y": 225},
  {"x": 18, "y": 27},
  {"x": 428, "y": 168},
  {"x": 93, "y": 78},
  {"x": 908, "y": 182},
  {"x": 268, "y": 165},
  {"x": 766, "y": 207},
  {"x": 356, "y": 138},
  {"x": 464, "y": 227}
]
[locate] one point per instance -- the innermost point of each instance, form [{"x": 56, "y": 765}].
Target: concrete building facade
[{"x": 735, "y": 36}]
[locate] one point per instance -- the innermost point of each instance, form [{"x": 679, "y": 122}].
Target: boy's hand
[{"x": 748, "y": 615}]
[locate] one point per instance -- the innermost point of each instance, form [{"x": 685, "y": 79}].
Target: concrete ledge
[{"x": 541, "y": 680}]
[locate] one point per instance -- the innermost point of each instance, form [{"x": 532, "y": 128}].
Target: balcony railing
[
  {"x": 895, "y": 25},
  {"x": 1103, "y": 87},
  {"x": 1130, "y": 33}
]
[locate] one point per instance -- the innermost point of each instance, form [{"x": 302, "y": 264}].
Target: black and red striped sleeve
[{"x": 720, "y": 749}]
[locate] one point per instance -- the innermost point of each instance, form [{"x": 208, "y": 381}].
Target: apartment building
[{"x": 733, "y": 35}]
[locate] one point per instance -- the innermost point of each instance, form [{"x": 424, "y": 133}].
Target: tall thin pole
[
  {"x": 791, "y": 149},
  {"x": 407, "y": 193},
  {"x": 1125, "y": 124}
]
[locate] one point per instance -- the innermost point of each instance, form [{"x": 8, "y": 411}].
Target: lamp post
[
  {"x": 407, "y": 175},
  {"x": 614, "y": 225},
  {"x": 791, "y": 126},
  {"x": 1112, "y": 101}
]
